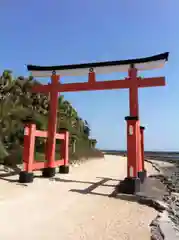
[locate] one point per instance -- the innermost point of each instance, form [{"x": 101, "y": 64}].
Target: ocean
[{"x": 165, "y": 156}]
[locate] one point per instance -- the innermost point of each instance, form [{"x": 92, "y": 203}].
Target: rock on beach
[{"x": 168, "y": 173}]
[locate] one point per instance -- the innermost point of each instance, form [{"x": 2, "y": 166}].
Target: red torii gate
[{"x": 135, "y": 154}]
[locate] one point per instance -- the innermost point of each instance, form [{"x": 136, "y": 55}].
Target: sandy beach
[{"x": 74, "y": 206}]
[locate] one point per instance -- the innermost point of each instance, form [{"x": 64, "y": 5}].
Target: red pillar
[
  {"x": 142, "y": 146},
  {"x": 29, "y": 145},
  {"x": 133, "y": 149},
  {"x": 65, "y": 148},
  {"x": 133, "y": 93},
  {"x": 52, "y": 122},
  {"x": 26, "y": 176},
  {"x": 65, "y": 153}
]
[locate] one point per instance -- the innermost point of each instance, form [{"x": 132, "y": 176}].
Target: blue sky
[{"x": 67, "y": 31}]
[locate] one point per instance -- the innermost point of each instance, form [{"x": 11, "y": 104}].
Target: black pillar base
[
  {"x": 129, "y": 186},
  {"x": 48, "y": 172},
  {"x": 142, "y": 175},
  {"x": 64, "y": 169},
  {"x": 26, "y": 177}
]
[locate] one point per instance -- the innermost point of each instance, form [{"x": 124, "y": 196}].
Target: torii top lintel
[{"x": 148, "y": 63}]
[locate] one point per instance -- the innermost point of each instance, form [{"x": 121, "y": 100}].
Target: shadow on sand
[
  {"x": 14, "y": 172},
  {"x": 152, "y": 188},
  {"x": 93, "y": 186}
]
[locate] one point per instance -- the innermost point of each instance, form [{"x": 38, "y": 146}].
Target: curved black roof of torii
[{"x": 147, "y": 63}]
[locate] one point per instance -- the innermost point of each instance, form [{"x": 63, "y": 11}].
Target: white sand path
[{"x": 48, "y": 210}]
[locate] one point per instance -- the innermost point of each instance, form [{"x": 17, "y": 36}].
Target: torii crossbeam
[{"x": 132, "y": 82}]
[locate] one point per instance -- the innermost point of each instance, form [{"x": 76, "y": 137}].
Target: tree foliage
[{"x": 19, "y": 104}]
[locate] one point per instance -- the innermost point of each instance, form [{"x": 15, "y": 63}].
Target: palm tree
[
  {"x": 7, "y": 104},
  {"x": 19, "y": 105},
  {"x": 86, "y": 128}
]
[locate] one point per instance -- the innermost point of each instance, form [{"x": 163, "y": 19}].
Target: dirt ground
[{"x": 74, "y": 206}]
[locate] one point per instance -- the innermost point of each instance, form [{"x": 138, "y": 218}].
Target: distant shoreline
[
  {"x": 158, "y": 155},
  {"x": 146, "y": 152}
]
